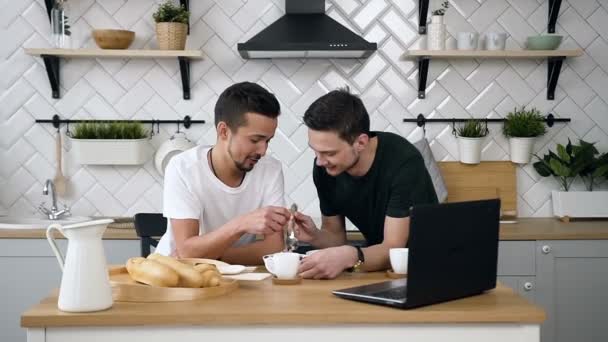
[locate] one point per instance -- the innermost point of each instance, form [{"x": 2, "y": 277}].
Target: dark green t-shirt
[{"x": 396, "y": 181}]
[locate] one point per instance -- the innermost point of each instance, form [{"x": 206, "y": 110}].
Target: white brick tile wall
[{"x": 117, "y": 88}]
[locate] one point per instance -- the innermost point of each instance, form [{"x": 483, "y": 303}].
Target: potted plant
[
  {"x": 470, "y": 136},
  {"x": 522, "y": 127},
  {"x": 116, "y": 143},
  {"x": 436, "y": 32},
  {"x": 566, "y": 164},
  {"x": 171, "y": 26}
]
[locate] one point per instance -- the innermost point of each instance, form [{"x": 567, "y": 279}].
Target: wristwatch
[{"x": 360, "y": 260}]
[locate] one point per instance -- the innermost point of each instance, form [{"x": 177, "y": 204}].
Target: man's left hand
[{"x": 328, "y": 263}]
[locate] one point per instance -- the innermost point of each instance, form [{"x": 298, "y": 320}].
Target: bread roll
[
  {"x": 188, "y": 276},
  {"x": 151, "y": 272},
  {"x": 204, "y": 267},
  {"x": 211, "y": 278}
]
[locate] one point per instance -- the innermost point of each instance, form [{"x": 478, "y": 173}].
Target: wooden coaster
[
  {"x": 294, "y": 281},
  {"x": 393, "y": 275}
]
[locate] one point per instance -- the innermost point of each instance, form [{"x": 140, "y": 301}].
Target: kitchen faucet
[{"x": 53, "y": 213}]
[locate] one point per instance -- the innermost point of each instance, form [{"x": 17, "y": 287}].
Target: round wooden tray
[
  {"x": 393, "y": 275},
  {"x": 125, "y": 289}
]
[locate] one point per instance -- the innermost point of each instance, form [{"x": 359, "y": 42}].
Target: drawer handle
[
  {"x": 546, "y": 249},
  {"x": 528, "y": 286}
]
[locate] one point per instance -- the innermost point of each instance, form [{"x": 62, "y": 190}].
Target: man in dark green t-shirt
[{"x": 371, "y": 178}]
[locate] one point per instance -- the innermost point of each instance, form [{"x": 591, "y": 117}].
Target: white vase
[
  {"x": 436, "y": 33},
  {"x": 469, "y": 150},
  {"x": 109, "y": 151},
  {"x": 521, "y": 149}
]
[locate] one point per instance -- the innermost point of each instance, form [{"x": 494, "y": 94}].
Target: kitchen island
[{"x": 261, "y": 311}]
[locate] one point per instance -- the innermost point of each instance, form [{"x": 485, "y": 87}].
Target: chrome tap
[{"x": 53, "y": 213}]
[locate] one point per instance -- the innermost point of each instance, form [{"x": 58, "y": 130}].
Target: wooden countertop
[
  {"x": 310, "y": 303},
  {"x": 524, "y": 229}
]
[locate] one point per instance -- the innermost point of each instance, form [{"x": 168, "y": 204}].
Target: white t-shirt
[{"x": 192, "y": 191}]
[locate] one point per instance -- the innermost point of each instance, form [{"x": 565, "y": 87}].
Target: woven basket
[{"x": 171, "y": 36}]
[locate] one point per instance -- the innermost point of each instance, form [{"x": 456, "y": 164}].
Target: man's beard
[{"x": 241, "y": 165}]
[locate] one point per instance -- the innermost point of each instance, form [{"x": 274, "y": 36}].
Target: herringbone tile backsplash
[{"x": 138, "y": 89}]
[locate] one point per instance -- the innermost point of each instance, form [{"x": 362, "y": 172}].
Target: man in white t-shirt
[{"x": 218, "y": 199}]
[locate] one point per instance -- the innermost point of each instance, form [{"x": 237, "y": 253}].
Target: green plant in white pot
[
  {"x": 171, "y": 26},
  {"x": 115, "y": 143},
  {"x": 470, "y": 138},
  {"x": 522, "y": 126},
  {"x": 568, "y": 163}
]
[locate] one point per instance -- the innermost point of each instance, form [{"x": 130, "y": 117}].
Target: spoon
[{"x": 291, "y": 242}]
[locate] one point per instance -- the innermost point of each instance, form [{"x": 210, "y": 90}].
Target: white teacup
[
  {"x": 283, "y": 265},
  {"x": 496, "y": 40},
  {"x": 399, "y": 258},
  {"x": 467, "y": 40}
]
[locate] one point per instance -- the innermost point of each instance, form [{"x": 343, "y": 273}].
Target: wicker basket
[{"x": 171, "y": 36}]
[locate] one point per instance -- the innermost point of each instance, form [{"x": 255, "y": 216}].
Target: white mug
[
  {"x": 283, "y": 265},
  {"x": 399, "y": 259},
  {"x": 496, "y": 40},
  {"x": 467, "y": 40}
]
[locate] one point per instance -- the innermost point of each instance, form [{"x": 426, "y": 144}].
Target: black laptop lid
[{"x": 453, "y": 251}]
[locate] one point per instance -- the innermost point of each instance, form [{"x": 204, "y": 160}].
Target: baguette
[
  {"x": 151, "y": 272},
  {"x": 188, "y": 276},
  {"x": 211, "y": 278}
]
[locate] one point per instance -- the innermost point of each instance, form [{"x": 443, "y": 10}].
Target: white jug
[{"x": 85, "y": 284}]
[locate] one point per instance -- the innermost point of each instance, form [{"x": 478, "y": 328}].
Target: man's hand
[
  {"x": 305, "y": 228},
  {"x": 328, "y": 263},
  {"x": 264, "y": 221}
]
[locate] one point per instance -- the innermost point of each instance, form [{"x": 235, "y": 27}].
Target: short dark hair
[
  {"x": 338, "y": 111},
  {"x": 241, "y": 98}
]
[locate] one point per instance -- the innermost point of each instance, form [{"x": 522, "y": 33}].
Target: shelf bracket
[
  {"x": 423, "y": 9},
  {"x": 49, "y": 6},
  {"x": 184, "y": 68},
  {"x": 554, "y": 6},
  {"x": 423, "y": 72},
  {"x": 51, "y": 64},
  {"x": 554, "y": 65}
]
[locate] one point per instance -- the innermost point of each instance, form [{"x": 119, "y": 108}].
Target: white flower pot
[
  {"x": 436, "y": 33},
  {"x": 469, "y": 150},
  {"x": 521, "y": 149},
  {"x": 109, "y": 152},
  {"x": 580, "y": 203}
]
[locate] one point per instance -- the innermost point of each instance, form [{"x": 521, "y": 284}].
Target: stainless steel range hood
[{"x": 305, "y": 31}]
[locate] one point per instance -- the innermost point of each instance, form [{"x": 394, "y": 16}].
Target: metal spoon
[{"x": 291, "y": 242}]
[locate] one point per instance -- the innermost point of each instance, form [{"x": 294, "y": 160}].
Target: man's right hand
[
  {"x": 306, "y": 230},
  {"x": 264, "y": 221}
]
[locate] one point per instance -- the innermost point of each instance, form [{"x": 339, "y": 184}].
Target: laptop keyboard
[{"x": 397, "y": 293}]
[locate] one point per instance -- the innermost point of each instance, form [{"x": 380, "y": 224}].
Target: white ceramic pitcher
[{"x": 85, "y": 284}]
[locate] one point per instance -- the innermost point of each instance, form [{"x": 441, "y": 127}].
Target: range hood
[{"x": 305, "y": 31}]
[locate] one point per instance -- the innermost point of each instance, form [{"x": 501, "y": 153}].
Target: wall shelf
[
  {"x": 554, "y": 62},
  {"x": 51, "y": 61},
  {"x": 423, "y": 9}
]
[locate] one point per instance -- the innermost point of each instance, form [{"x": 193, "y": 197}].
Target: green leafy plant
[
  {"x": 59, "y": 19},
  {"x": 112, "y": 130},
  {"x": 571, "y": 161},
  {"x": 168, "y": 12},
  {"x": 441, "y": 11},
  {"x": 472, "y": 129},
  {"x": 522, "y": 123}
]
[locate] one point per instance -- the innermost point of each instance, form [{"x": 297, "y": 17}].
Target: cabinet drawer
[{"x": 516, "y": 258}]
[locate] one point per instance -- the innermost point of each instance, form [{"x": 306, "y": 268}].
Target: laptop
[{"x": 453, "y": 253}]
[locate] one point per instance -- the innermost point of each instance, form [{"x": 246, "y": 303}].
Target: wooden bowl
[{"x": 113, "y": 39}]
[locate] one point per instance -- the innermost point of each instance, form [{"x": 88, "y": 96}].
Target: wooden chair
[{"x": 148, "y": 227}]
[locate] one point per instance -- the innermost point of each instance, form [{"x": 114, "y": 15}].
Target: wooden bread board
[{"x": 125, "y": 289}]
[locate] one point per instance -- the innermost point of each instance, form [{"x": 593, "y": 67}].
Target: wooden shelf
[
  {"x": 51, "y": 61},
  {"x": 413, "y": 54},
  {"x": 99, "y": 53},
  {"x": 554, "y": 62}
]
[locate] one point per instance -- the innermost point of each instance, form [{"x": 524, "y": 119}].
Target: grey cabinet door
[
  {"x": 30, "y": 272},
  {"x": 524, "y": 286},
  {"x": 572, "y": 278}
]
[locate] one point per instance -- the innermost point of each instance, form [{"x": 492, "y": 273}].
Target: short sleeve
[
  {"x": 321, "y": 183},
  {"x": 178, "y": 200},
  {"x": 411, "y": 186}
]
